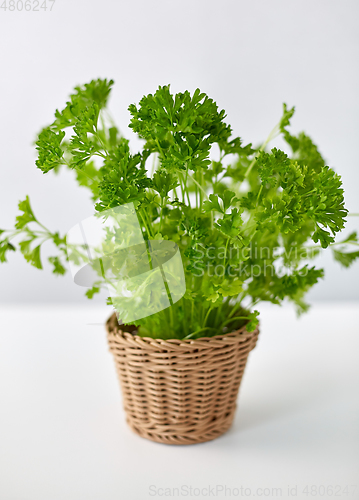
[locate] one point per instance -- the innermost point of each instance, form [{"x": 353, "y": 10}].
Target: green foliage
[
  {"x": 58, "y": 266},
  {"x": 253, "y": 321},
  {"x": 5, "y": 246},
  {"x": 31, "y": 255},
  {"x": 50, "y": 155},
  {"x": 27, "y": 215},
  {"x": 92, "y": 291},
  {"x": 182, "y": 128},
  {"x": 227, "y": 199},
  {"x": 79, "y": 119},
  {"x": 96, "y": 92},
  {"x": 342, "y": 255},
  {"x": 33, "y": 235},
  {"x": 293, "y": 194},
  {"x": 304, "y": 150},
  {"x": 244, "y": 218},
  {"x": 345, "y": 258},
  {"x": 124, "y": 177}
]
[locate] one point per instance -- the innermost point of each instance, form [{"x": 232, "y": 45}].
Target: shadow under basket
[{"x": 179, "y": 391}]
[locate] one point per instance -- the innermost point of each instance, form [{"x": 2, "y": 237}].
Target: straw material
[{"x": 179, "y": 391}]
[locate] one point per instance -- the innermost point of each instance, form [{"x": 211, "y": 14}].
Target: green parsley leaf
[{"x": 27, "y": 215}]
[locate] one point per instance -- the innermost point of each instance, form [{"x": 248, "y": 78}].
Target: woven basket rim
[{"x": 236, "y": 335}]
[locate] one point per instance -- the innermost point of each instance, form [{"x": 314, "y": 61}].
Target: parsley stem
[
  {"x": 236, "y": 306},
  {"x": 259, "y": 194},
  {"x": 225, "y": 255},
  {"x": 159, "y": 147},
  {"x": 208, "y": 313},
  {"x": 161, "y": 214},
  {"x": 355, "y": 243},
  {"x": 233, "y": 319},
  {"x": 12, "y": 234},
  {"x": 186, "y": 188},
  {"x": 144, "y": 223},
  {"x": 199, "y": 331},
  {"x": 153, "y": 165},
  {"x": 200, "y": 187},
  {"x": 85, "y": 174},
  {"x": 98, "y": 136},
  {"x": 271, "y": 136}
]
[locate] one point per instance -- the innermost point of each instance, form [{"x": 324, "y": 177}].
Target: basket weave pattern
[{"x": 180, "y": 391}]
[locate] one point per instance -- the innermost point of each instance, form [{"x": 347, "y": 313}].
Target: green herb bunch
[{"x": 247, "y": 220}]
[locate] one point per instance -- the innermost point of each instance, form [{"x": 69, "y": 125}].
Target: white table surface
[{"x": 63, "y": 434}]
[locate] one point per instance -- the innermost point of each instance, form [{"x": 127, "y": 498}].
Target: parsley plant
[{"x": 247, "y": 220}]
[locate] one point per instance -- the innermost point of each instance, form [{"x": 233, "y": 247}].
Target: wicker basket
[{"x": 179, "y": 391}]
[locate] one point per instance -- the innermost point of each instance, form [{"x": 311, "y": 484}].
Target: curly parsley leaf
[
  {"x": 253, "y": 321},
  {"x": 81, "y": 114},
  {"x": 96, "y": 92},
  {"x": 92, "y": 291},
  {"x": 50, "y": 155},
  {"x": 27, "y": 215},
  {"x": 58, "y": 266},
  {"x": 345, "y": 258},
  {"x": 5, "y": 246},
  {"x": 32, "y": 256}
]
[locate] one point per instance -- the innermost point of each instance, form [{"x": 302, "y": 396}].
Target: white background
[
  {"x": 250, "y": 56},
  {"x": 62, "y": 429},
  {"x": 63, "y": 433}
]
